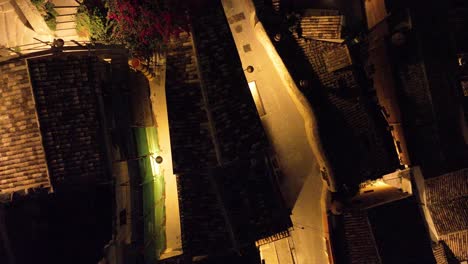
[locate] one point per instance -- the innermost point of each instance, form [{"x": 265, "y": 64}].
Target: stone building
[
  {"x": 56, "y": 146},
  {"x": 351, "y": 126},
  {"x": 79, "y": 124},
  {"x": 447, "y": 198},
  {"x": 227, "y": 187},
  {"x": 79, "y": 139},
  {"x": 23, "y": 165},
  {"x": 401, "y": 62}
]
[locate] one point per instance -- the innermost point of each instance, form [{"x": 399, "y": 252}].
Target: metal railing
[
  {"x": 272, "y": 238},
  {"x": 41, "y": 48}
]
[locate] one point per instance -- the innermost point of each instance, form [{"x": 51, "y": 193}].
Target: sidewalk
[
  {"x": 290, "y": 124},
  {"x": 15, "y": 29},
  {"x": 21, "y": 26}
]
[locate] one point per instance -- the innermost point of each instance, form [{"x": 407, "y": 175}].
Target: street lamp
[
  {"x": 249, "y": 69},
  {"x": 159, "y": 159},
  {"x": 58, "y": 43}
]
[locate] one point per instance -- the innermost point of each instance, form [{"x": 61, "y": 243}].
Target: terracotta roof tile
[
  {"x": 447, "y": 187},
  {"x": 439, "y": 253},
  {"x": 457, "y": 244},
  {"x": 361, "y": 246},
  {"x": 22, "y": 160},
  {"x": 450, "y": 216},
  {"x": 65, "y": 93},
  {"x": 447, "y": 199},
  {"x": 322, "y": 27}
]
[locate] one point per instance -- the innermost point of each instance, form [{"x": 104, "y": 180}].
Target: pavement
[
  {"x": 19, "y": 32},
  {"x": 173, "y": 231},
  {"x": 15, "y": 30},
  {"x": 286, "y": 124}
]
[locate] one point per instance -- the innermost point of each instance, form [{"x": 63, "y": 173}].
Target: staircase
[{"x": 66, "y": 19}]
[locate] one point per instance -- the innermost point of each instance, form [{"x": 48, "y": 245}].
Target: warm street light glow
[{"x": 257, "y": 99}]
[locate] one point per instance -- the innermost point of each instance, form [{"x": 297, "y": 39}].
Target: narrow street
[{"x": 301, "y": 183}]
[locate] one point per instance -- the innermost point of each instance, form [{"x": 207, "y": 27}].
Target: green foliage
[
  {"x": 37, "y": 3},
  {"x": 92, "y": 24},
  {"x": 47, "y": 11},
  {"x": 144, "y": 26},
  {"x": 51, "y": 15}
]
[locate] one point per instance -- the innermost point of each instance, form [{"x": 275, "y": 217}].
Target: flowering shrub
[
  {"x": 145, "y": 26},
  {"x": 92, "y": 24}
]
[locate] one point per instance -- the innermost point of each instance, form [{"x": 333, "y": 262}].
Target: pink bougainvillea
[{"x": 145, "y": 25}]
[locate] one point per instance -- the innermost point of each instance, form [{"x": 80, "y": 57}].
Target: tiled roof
[
  {"x": 22, "y": 159},
  {"x": 450, "y": 216},
  {"x": 215, "y": 130},
  {"x": 447, "y": 199},
  {"x": 457, "y": 243},
  {"x": 362, "y": 146},
  {"x": 361, "y": 247},
  {"x": 439, "y": 253},
  {"x": 65, "y": 91},
  {"x": 191, "y": 144},
  {"x": 322, "y": 27},
  {"x": 235, "y": 119},
  {"x": 363, "y": 127},
  {"x": 204, "y": 229},
  {"x": 429, "y": 108},
  {"x": 447, "y": 187},
  {"x": 337, "y": 58}
]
